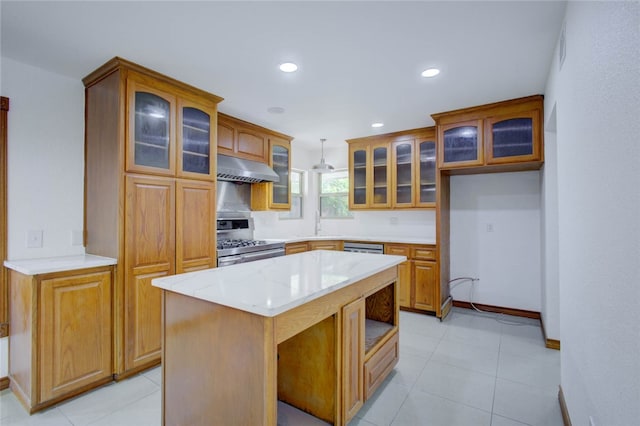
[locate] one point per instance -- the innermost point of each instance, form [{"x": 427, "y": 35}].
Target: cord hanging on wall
[{"x": 322, "y": 167}]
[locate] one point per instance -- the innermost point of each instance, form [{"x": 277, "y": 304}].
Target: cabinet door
[
  {"x": 325, "y": 245},
  {"x": 226, "y": 137},
  {"x": 404, "y": 273},
  {"x": 151, "y": 133},
  {"x": 196, "y": 150},
  {"x": 280, "y": 162},
  {"x": 460, "y": 144},
  {"x": 353, "y": 335},
  {"x": 359, "y": 176},
  {"x": 251, "y": 145},
  {"x": 424, "y": 275},
  {"x": 403, "y": 174},
  {"x": 195, "y": 225},
  {"x": 149, "y": 253},
  {"x": 513, "y": 138},
  {"x": 296, "y": 248},
  {"x": 75, "y": 332},
  {"x": 426, "y": 173},
  {"x": 380, "y": 161}
]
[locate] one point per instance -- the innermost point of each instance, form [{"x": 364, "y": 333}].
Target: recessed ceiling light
[
  {"x": 275, "y": 110},
  {"x": 288, "y": 67},
  {"x": 376, "y": 125},
  {"x": 430, "y": 72}
]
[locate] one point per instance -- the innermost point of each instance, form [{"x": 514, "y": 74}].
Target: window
[
  {"x": 297, "y": 183},
  {"x": 334, "y": 194}
]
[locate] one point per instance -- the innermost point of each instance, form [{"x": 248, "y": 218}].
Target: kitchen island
[{"x": 316, "y": 330}]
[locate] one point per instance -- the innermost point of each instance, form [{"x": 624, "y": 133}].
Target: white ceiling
[{"x": 359, "y": 62}]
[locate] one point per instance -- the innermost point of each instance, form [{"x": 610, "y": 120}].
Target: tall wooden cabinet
[{"x": 149, "y": 193}]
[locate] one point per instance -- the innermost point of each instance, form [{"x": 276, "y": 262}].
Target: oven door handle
[{"x": 265, "y": 254}]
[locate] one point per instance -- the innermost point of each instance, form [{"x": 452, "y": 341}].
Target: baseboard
[
  {"x": 549, "y": 343},
  {"x": 4, "y": 383},
  {"x": 498, "y": 309},
  {"x": 563, "y": 408}
]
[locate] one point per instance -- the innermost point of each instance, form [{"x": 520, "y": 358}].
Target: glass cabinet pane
[
  {"x": 513, "y": 137},
  {"x": 151, "y": 131},
  {"x": 461, "y": 144},
  {"x": 360, "y": 176},
  {"x": 196, "y": 128},
  {"x": 280, "y": 158},
  {"x": 404, "y": 178},
  {"x": 380, "y": 175},
  {"x": 427, "y": 166}
]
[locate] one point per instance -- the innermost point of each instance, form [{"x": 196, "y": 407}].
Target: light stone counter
[
  {"x": 372, "y": 239},
  {"x": 272, "y": 286},
  {"x": 58, "y": 264}
]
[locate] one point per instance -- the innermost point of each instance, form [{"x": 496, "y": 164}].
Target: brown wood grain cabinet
[
  {"x": 275, "y": 195},
  {"x": 149, "y": 193},
  {"x": 293, "y": 248},
  {"x": 61, "y": 342},
  {"x": 353, "y": 350},
  {"x": 498, "y": 137},
  {"x": 238, "y": 138},
  {"x": 326, "y": 245},
  {"x": 393, "y": 171},
  {"x": 417, "y": 276}
]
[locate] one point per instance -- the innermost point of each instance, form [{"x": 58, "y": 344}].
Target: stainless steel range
[{"x": 236, "y": 243}]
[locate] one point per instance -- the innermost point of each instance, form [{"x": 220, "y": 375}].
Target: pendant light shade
[{"x": 322, "y": 167}]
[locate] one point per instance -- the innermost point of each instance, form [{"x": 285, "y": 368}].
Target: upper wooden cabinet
[
  {"x": 238, "y": 138},
  {"x": 169, "y": 132},
  {"x": 275, "y": 195},
  {"x": 393, "y": 171},
  {"x": 503, "y": 136},
  {"x": 149, "y": 193}
]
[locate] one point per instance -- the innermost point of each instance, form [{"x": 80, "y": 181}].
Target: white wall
[
  {"x": 550, "y": 302},
  {"x": 46, "y": 163},
  {"x": 506, "y": 259},
  {"x": 597, "y": 98},
  {"x": 402, "y": 224},
  {"x": 46, "y": 159}
]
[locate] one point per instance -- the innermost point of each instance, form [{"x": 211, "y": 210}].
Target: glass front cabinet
[
  {"x": 393, "y": 170},
  {"x": 369, "y": 176},
  {"x": 169, "y": 134},
  {"x": 275, "y": 195},
  {"x": 497, "y": 137}
]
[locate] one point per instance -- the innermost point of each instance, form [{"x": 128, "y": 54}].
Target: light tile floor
[{"x": 470, "y": 370}]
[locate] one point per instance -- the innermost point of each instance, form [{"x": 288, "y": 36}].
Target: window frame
[
  {"x": 287, "y": 215},
  {"x": 345, "y": 194}
]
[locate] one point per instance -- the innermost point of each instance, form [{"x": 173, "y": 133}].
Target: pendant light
[{"x": 322, "y": 167}]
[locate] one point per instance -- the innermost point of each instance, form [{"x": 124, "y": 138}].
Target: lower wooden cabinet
[
  {"x": 61, "y": 334},
  {"x": 293, "y": 248},
  {"x": 353, "y": 340},
  {"x": 418, "y": 276},
  {"x": 325, "y": 245}
]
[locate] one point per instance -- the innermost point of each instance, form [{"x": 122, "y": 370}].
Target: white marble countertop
[
  {"x": 373, "y": 239},
  {"x": 58, "y": 264},
  {"x": 272, "y": 286}
]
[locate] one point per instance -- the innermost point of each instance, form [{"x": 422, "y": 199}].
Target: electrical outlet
[
  {"x": 489, "y": 227},
  {"x": 34, "y": 239},
  {"x": 393, "y": 221}
]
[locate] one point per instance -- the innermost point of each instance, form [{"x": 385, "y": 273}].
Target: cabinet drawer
[
  {"x": 398, "y": 250},
  {"x": 424, "y": 253},
  {"x": 380, "y": 365}
]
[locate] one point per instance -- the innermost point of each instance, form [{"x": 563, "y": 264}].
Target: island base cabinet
[
  {"x": 61, "y": 334},
  {"x": 219, "y": 366},
  {"x": 353, "y": 338}
]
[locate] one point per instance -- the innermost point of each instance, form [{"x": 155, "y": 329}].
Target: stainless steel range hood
[{"x": 240, "y": 170}]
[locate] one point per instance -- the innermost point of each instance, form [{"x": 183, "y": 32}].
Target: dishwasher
[{"x": 364, "y": 247}]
